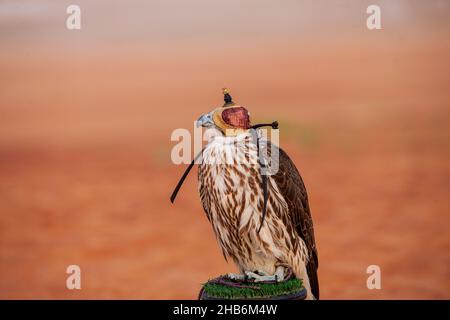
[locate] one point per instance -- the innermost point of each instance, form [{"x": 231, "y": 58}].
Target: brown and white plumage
[
  {"x": 230, "y": 186},
  {"x": 232, "y": 199}
]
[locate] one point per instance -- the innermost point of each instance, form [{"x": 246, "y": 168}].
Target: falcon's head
[{"x": 228, "y": 120}]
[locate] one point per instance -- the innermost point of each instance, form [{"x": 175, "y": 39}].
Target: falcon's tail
[{"x": 313, "y": 279}]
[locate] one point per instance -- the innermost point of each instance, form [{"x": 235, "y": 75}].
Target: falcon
[{"x": 261, "y": 217}]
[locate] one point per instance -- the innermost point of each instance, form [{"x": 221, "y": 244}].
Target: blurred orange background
[{"x": 86, "y": 117}]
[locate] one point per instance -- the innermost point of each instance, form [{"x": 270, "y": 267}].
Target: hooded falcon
[{"x": 261, "y": 219}]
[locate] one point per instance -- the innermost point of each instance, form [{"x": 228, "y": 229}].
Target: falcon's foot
[
  {"x": 256, "y": 276},
  {"x": 260, "y": 276},
  {"x": 236, "y": 276}
]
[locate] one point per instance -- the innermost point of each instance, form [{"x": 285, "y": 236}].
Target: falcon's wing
[{"x": 292, "y": 188}]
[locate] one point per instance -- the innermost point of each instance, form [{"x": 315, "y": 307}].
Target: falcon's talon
[
  {"x": 236, "y": 276},
  {"x": 260, "y": 278},
  {"x": 261, "y": 273}
]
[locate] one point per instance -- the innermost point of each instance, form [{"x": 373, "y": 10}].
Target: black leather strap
[{"x": 183, "y": 177}]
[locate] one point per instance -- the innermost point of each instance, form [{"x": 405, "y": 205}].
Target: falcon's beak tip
[{"x": 205, "y": 120}]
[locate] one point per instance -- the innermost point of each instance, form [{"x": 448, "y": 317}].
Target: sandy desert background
[{"x": 86, "y": 118}]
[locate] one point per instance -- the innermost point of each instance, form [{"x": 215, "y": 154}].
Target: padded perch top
[{"x": 224, "y": 288}]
